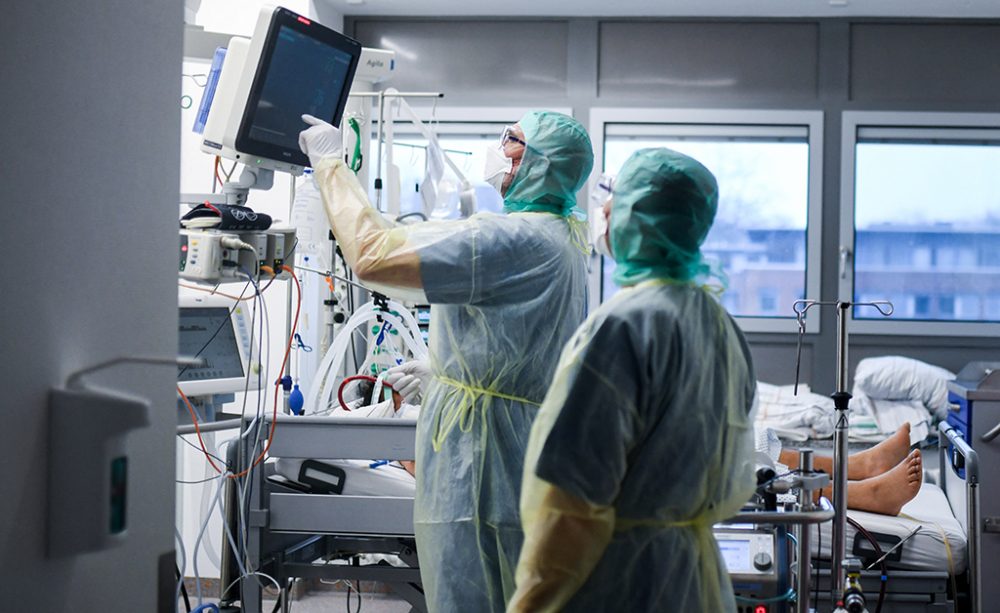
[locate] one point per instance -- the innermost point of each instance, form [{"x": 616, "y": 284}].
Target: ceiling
[{"x": 673, "y": 8}]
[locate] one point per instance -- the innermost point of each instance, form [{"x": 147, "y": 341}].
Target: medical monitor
[
  {"x": 291, "y": 66},
  {"x": 218, "y": 331}
]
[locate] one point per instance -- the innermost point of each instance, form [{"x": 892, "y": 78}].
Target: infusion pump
[{"x": 757, "y": 561}]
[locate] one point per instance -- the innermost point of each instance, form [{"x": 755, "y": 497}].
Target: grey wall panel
[
  {"x": 774, "y": 362},
  {"x": 729, "y": 60},
  {"x": 754, "y": 64},
  {"x": 91, "y": 91},
  {"x": 925, "y": 62},
  {"x": 498, "y": 60}
]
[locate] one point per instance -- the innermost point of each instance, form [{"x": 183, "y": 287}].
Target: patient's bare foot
[
  {"x": 888, "y": 492},
  {"x": 863, "y": 464},
  {"x": 882, "y": 457}
]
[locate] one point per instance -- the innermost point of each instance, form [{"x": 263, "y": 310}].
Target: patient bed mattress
[
  {"x": 350, "y": 477},
  {"x": 926, "y": 550}
]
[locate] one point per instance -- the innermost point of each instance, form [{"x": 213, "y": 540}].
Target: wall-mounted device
[{"x": 88, "y": 468}]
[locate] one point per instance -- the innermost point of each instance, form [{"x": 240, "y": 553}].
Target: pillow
[{"x": 899, "y": 378}]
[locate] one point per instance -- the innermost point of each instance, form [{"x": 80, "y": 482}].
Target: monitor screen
[
  {"x": 736, "y": 554},
  {"x": 207, "y": 332},
  {"x": 304, "y": 68}
]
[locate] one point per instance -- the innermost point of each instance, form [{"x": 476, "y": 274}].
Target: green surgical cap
[
  {"x": 664, "y": 205},
  {"x": 556, "y": 163}
]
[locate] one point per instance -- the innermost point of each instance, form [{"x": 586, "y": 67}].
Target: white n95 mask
[
  {"x": 599, "y": 232},
  {"x": 598, "y": 220},
  {"x": 497, "y": 166}
]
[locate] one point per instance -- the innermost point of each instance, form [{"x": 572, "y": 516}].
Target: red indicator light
[
  {"x": 304, "y": 20},
  {"x": 184, "y": 248},
  {"x": 760, "y": 609}
]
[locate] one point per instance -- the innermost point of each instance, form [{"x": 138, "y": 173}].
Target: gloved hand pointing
[
  {"x": 410, "y": 380},
  {"x": 320, "y": 141}
]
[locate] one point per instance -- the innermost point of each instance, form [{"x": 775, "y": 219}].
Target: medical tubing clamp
[{"x": 841, "y": 587}]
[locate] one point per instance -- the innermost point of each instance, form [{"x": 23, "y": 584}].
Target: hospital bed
[
  {"x": 934, "y": 569},
  {"x": 292, "y": 533}
]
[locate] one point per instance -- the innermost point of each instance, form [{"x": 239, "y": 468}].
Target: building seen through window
[{"x": 927, "y": 229}]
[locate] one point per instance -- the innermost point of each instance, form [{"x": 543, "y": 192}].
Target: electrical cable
[
  {"x": 413, "y": 214},
  {"x": 214, "y": 291},
  {"x": 184, "y": 592},
  {"x": 283, "y": 595},
  {"x": 255, "y": 573},
  {"x": 193, "y": 446},
  {"x": 245, "y": 493},
  {"x": 790, "y": 594},
  {"x": 358, "y": 590},
  {"x": 201, "y": 535},
  {"x": 216, "y": 170},
  {"x": 206, "y": 480},
  {"x": 878, "y": 554},
  {"x": 197, "y": 430},
  {"x": 776, "y": 477},
  {"x": 180, "y": 588},
  {"x": 277, "y": 386},
  {"x": 277, "y": 389}
]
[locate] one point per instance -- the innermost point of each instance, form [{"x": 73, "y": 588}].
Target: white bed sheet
[{"x": 925, "y": 550}]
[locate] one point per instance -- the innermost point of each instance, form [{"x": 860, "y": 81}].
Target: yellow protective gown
[
  {"x": 506, "y": 293},
  {"x": 642, "y": 443}
]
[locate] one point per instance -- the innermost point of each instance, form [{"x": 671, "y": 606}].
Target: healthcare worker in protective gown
[
  {"x": 644, "y": 439},
  {"x": 507, "y": 292}
]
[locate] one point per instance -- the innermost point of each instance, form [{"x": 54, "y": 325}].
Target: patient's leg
[
  {"x": 888, "y": 492},
  {"x": 864, "y": 464}
]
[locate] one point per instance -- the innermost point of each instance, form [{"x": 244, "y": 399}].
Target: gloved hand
[
  {"x": 410, "y": 379},
  {"x": 320, "y": 141}
]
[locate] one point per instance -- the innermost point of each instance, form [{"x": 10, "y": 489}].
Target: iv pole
[
  {"x": 841, "y": 400},
  {"x": 381, "y": 96}
]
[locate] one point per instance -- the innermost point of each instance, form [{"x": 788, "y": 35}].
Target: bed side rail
[{"x": 954, "y": 453}]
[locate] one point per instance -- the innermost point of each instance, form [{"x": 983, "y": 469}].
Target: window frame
[
  {"x": 902, "y": 125},
  {"x": 812, "y": 120}
]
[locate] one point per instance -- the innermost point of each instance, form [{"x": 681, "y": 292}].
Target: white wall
[
  {"x": 237, "y": 17},
  {"x": 89, "y": 187}
]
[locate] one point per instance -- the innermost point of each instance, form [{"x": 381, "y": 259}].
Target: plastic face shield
[{"x": 509, "y": 136}]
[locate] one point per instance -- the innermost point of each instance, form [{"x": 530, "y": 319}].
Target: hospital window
[
  {"x": 924, "y": 224},
  {"x": 760, "y": 239}
]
